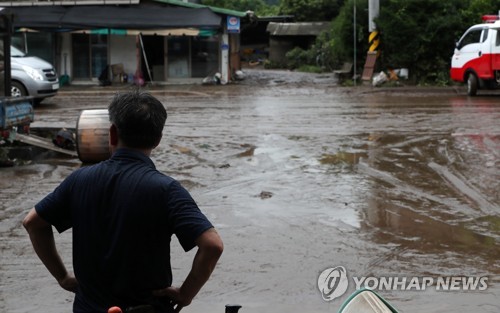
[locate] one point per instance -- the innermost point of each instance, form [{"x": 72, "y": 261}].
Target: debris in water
[
  {"x": 249, "y": 152},
  {"x": 265, "y": 194},
  {"x": 184, "y": 150}
]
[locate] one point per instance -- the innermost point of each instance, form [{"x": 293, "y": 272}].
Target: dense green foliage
[
  {"x": 420, "y": 35},
  {"x": 416, "y": 34},
  {"x": 341, "y": 45},
  {"x": 302, "y": 10},
  {"x": 311, "y": 10}
]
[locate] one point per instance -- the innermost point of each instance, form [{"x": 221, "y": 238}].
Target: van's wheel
[
  {"x": 17, "y": 90},
  {"x": 472, "y": 85}
]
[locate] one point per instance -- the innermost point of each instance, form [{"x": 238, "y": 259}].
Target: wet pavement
[{"x": 300, "y": 175}]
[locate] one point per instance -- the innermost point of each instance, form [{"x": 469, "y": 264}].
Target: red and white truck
[{"x": 476, "y": 60}]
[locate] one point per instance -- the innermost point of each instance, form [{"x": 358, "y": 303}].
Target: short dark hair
[{"x": 139, "y": 118}]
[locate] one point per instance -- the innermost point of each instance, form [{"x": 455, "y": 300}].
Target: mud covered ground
[{"x": 300, "y": 175}]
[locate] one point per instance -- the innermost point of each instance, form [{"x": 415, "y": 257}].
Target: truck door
[
  {"x": 495, "y": 50},
  {"x": 473, "y": 51},
  {"x": 485, "y": 57}
]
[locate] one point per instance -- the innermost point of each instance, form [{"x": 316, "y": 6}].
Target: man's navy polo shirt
[{"x": 123, "y": 213}]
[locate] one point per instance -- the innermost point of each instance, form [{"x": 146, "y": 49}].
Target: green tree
[
  {"x": 477, "y": 8},
  {"x": 342, "y": 33},
  {"x": 420, "y": 35},
  {"x": 416, "y": 34},
  {"x": 311, "y": 10},
  {"x": 336, "y": 46}
]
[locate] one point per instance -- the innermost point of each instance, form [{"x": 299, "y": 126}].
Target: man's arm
[
  {"x": 42, "y": 239},
  {"x": 210, "y": 248}
]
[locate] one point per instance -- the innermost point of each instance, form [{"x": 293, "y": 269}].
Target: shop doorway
[
  {"x": 154, "y": 46},
  {"x": 178, "y": 57}
]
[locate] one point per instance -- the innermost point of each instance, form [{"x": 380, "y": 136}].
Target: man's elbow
[
  {"x": 217, "y": 248},
  {"x": 211, "y": 242},
  {"x": 28, "y": 222},
  {"x": 32, "y": 221}
]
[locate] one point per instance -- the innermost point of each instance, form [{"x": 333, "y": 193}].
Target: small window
[
  {"x": 485, "y": 35},
  {"x": 473, "y": 36}
]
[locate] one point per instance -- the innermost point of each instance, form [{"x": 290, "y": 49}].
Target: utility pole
[
  {"x": 373, "y": 11},
  {"x": 373, "y": 40},
  {"x": 355, "y": 41}
]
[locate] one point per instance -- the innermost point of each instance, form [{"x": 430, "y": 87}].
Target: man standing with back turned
[{"x": 123, "y": 213}]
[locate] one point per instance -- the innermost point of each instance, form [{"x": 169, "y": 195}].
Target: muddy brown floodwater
[{"x": 300, "y": 175}]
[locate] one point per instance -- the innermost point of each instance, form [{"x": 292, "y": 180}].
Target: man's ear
[
  {"x": 157, "y": 142},
  {"x": 113, "y": 135}
]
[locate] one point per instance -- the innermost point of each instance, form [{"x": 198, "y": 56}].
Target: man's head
[{"x": 138, "y": 119}]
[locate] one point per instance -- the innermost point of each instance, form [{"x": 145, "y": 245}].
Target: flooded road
[{"x": 298, "y": 176}]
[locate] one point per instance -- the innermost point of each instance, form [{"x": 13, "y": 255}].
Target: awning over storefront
[
  {"x": 138, "y": 17},
  {"x": 135, "y": 32}
]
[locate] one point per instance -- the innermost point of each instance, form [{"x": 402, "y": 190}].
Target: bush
[
  {"x": 297, "y": 57},
  {"x": 310, "y": 69},
  {"x": 336, "y": 46},
  {"x": 420, "y": 35},
  {"x": 268, "y": 64}
]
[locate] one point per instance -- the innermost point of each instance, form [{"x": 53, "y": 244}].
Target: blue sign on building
[{"x": 233, "y": 24}]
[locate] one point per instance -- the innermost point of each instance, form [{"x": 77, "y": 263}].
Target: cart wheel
[{"x": 472, "y": 85}]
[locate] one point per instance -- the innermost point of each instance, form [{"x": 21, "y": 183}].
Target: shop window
[
  {"x": 204, "y": 56},
  {"x": 90, "y": 55},
  {"x": 178, "y": 57}
]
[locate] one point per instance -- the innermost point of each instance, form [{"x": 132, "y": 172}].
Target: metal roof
[
  {"x": 141, "y": 16},
  {"x": 197, "y": 6},
  {"x": 297, "y": 29},
  {"x": 21, "y": 3}
]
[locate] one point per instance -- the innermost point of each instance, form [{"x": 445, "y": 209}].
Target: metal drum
[{"x": 92, "y": 136}]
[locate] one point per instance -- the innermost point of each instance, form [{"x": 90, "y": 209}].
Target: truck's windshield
[
  {"x": 473, "y": 36},
  {"x": 14, "y": 52}
]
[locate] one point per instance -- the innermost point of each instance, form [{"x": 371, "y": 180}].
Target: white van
[{"x": 32, "y": 76}]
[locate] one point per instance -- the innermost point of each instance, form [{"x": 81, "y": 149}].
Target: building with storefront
[{"x": 161, "y": 40}]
